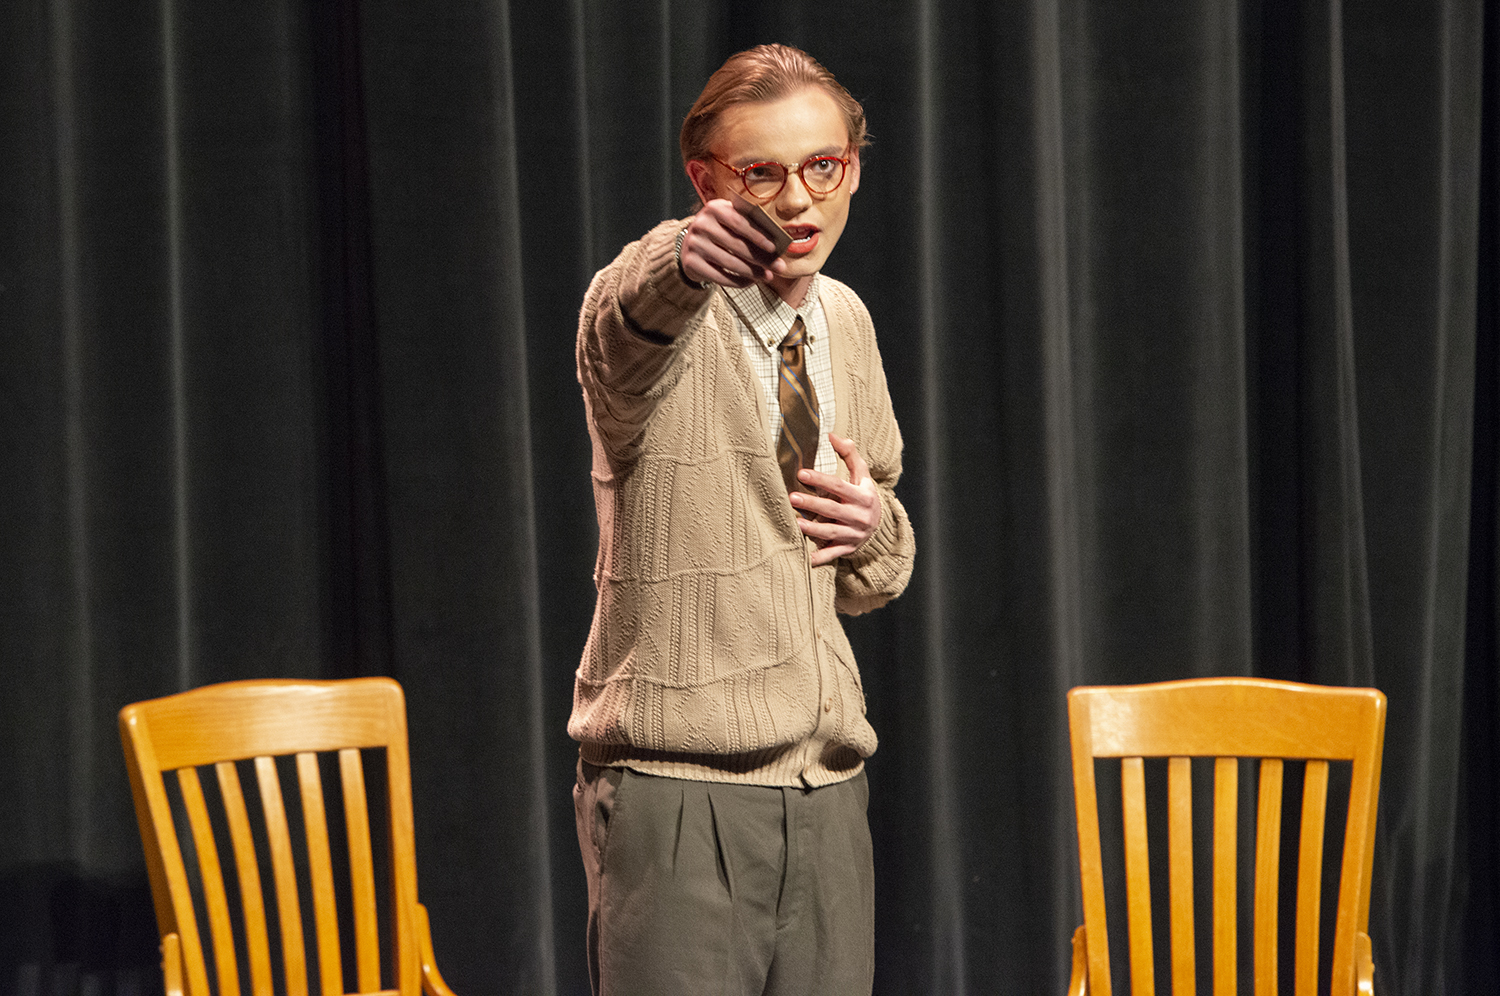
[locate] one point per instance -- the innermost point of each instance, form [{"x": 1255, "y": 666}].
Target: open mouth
[{"x": 804, "y": 239}]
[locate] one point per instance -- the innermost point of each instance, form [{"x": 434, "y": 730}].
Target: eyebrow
[{"x": 827, "y": 150}]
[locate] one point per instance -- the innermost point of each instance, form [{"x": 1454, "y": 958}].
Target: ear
[
  {"x": 702, "y": 176},
  {"x": 854, "y": 171}
]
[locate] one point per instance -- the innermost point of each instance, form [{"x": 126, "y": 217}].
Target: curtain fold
[
  {"x": 1188, "y": 312},
  {"x": 1415, "y": 324},
  {"x": 447, "y": 256}
]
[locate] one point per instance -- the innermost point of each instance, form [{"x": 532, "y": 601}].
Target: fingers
[
  {"x": 725, "y": 216},
  {"x": 829, "y": 530},
  {"x": 820, "y": 483},
  {"x": 860, "y": 488},
  {"x": 831, "y": 504},
  {"x": 859, "y": 471},
  {"x": 842, "y": 515},
  {"x": 720, "y": 245},
  {"x": 833, "y": 540},
  {"x": 859, "y": 514},
  {"x": 828, "y": 554},
  {"x": 839, "y": 524}
]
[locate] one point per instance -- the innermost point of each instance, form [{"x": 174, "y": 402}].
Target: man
[{"x": 744, "y": 458}]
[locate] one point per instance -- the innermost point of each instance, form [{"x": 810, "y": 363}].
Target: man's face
[{"x": 789, "y": 131}]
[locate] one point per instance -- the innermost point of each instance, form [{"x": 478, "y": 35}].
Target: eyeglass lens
[{"x": 822, "y": 174}]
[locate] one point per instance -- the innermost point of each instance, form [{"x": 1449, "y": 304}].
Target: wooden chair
[
  {"x": 1226, "y": 719},
  {"x": 255, "y": 722}
]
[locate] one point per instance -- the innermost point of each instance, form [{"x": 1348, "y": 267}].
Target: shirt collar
[{"x": 767, "y": 315}]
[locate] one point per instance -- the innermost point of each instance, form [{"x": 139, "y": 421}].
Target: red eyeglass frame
[{"x": 788, "y": 169}]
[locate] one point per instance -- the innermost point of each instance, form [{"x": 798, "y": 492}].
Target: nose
[{"x": 795, "y": 196}]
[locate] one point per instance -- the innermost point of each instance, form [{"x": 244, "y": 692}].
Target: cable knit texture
[{"x": 715, "y": 651}]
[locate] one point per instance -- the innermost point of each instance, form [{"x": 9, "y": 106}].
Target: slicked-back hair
[{"x": 759, "y": 75}]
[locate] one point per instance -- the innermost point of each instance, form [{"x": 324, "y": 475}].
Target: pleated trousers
[{"x": 704, "y": 888}]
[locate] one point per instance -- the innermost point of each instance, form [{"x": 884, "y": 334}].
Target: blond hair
[{"x": 758, "y": 75}]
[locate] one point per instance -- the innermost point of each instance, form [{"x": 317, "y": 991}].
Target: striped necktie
[{"x": 798, "y": 445}]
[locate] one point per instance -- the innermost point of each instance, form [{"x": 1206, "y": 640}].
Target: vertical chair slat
[
  {"x": 211, "y": 876},
  {"x": 1137, "y": 877},
  {"x": 361, "y": 870},
  {"x": 252, "y": 900},
  {"x": 1180, "y": 875},
  {"x": 288, "y": 908},
  {"x": 1310, "y": 877},
  {"x": 1090, "y": 856},
  {"x": 1351, "y": 943},
  {"x": 1267, "y": 875},
  {"x": 320, "y": 871},
  {"x": 171, "y": 895},
  {"x": 1226, "y": 868},
  {"x": 403, "y": 849}
]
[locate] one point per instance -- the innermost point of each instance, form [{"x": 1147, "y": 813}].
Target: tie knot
[{"x": 795, "y": 336}]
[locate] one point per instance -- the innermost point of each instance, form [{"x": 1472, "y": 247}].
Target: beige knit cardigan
[{"x": 715, "y": 651}]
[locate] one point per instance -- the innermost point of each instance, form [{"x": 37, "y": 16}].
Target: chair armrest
[
  {"x": 1078, "y": 985},
  {"x": 1364, "y": 965},
  {"x": 432, "y": 979},
  {"x": 171, "y": 964}
]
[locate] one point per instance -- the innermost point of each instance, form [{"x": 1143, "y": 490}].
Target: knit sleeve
[
  {"x": 636, "y": 316},
  {"x": 880, "y": 569}
]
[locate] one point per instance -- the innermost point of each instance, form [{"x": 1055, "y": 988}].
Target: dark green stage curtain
[{"x": 1189, "y": 310}]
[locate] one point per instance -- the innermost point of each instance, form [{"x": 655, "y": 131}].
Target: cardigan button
[{"x": 828, "y": 704}]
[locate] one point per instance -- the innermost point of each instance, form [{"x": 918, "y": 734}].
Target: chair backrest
[
  {"x": 254, "y": 723},
  {"x": 1227, "y": 719}
]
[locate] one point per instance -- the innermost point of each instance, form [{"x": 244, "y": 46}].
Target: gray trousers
[{"x": 708, "y": 888}]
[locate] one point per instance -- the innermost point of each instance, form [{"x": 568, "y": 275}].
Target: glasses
[{"x": 763, "y": 181}]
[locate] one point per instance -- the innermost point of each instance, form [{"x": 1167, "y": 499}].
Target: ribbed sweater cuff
[
  {"x": 660, "y": 299},
  {"x": 884, "y": 542}
]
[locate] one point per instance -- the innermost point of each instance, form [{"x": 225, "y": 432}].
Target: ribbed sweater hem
[{"x": 774, "y": 766}]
